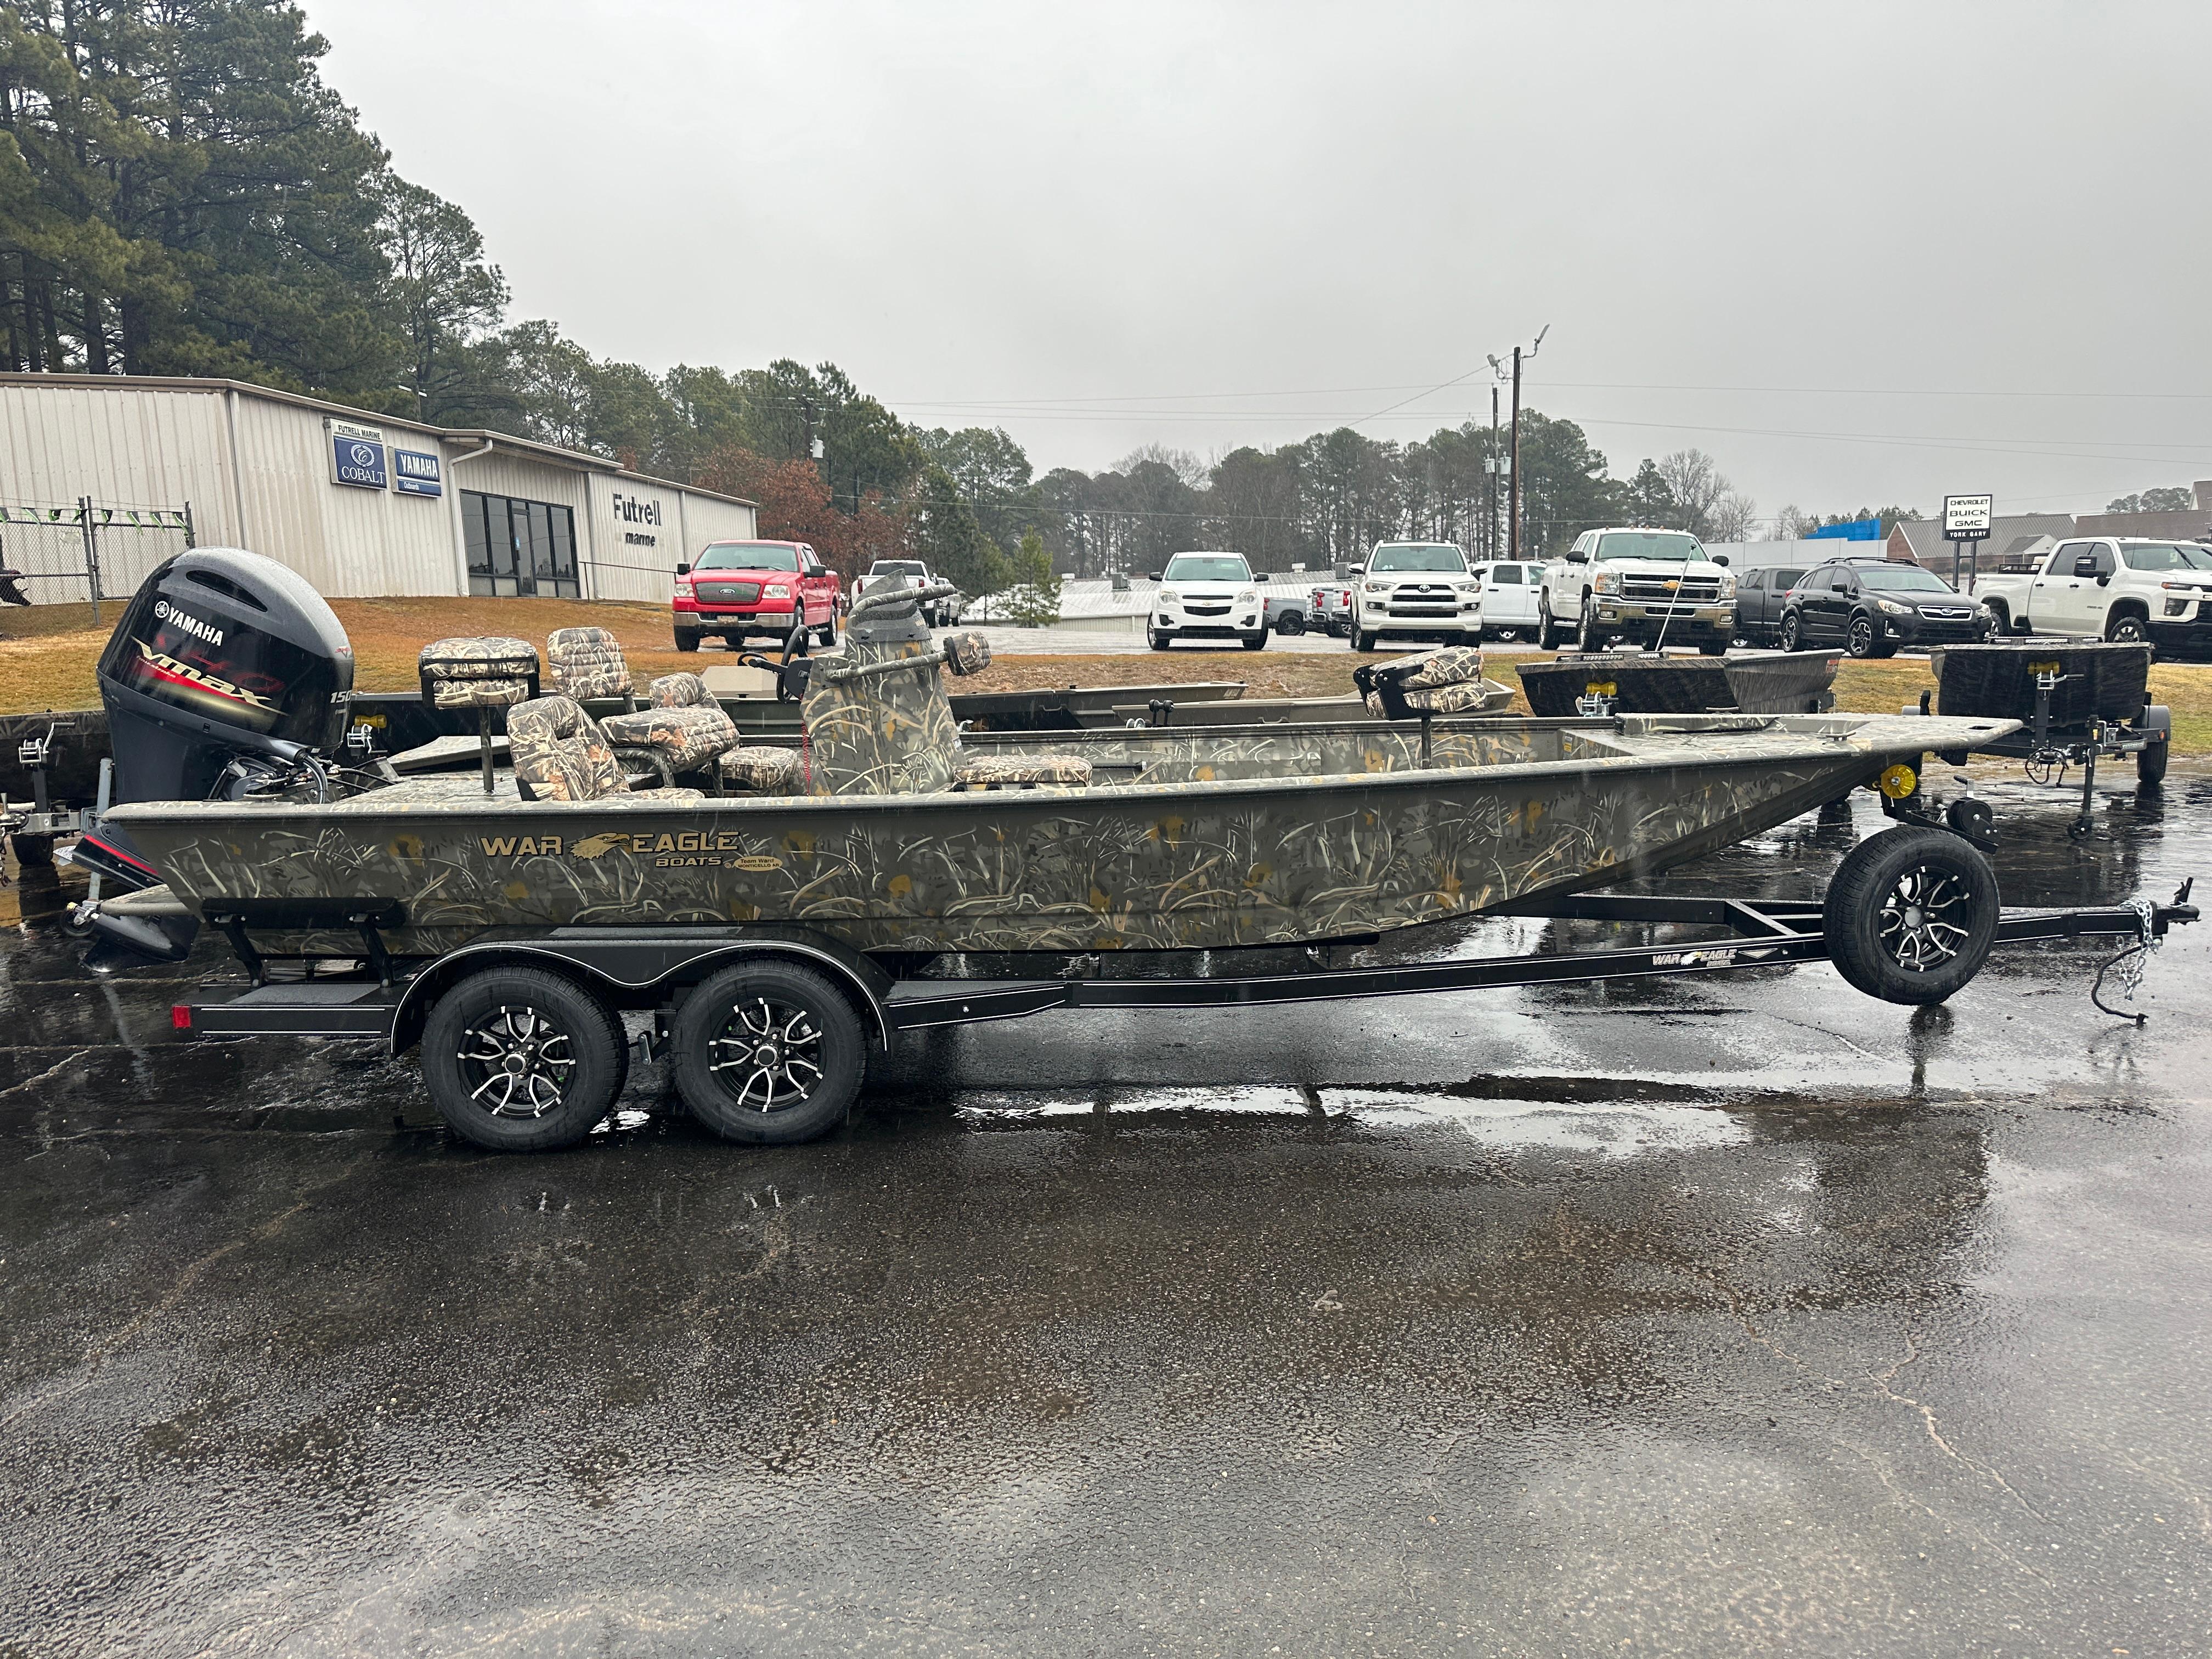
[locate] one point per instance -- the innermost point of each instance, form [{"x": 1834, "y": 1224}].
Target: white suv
[
  {"x": 1648, "y": 586},
  {"x": 1207, "y": 596},
  {"x": 1421, "y": 588}
]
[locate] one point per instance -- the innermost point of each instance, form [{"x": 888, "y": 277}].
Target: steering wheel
[{"x": 790, "y": 669}]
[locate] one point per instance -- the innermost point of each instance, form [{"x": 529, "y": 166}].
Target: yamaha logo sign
[
  {"x": 184, "y": 621},
  {"x": 358, "y": 455}
]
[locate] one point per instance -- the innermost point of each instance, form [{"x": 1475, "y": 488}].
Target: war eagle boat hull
[{"x": 1221, "y": 837}]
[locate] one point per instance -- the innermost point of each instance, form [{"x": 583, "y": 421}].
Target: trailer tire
[
  {"x": 560, "y": 1048},
  {"x": 1911, "y": 914},
  {"x": 2157, "y": 722},
  {"x": 808, "y": 1051}
]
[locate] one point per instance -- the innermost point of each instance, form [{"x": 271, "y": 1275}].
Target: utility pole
[
  {"x": 1490, "y": 484},
  {"x": 1513, "y": 521},
  {"x": 1513, "y": 508}
]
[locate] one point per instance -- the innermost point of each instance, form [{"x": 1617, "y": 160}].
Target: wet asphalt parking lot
[{"x": 1743, "y": 1314}]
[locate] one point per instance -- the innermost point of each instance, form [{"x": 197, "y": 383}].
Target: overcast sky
[{"x": 1860, "y": 252}]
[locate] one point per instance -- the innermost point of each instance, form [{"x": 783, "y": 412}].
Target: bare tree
[
  {"x": 1696, "y": 481},
  {"x": 1732, "y": 519},
  {"x": 1792, "y": 525},
  {"x": 1192, "y": 471}
]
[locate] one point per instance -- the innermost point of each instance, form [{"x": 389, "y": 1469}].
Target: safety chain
[{"x": 2131, "y": 962}]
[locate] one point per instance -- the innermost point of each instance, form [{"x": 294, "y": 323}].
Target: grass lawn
[{"x": 47, "y": 653}]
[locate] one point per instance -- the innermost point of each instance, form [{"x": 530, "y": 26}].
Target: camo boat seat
[
  {"x": 491, "y": 671},
  {"x": 587, "y": 663},
  {"x": 1019, "y": 771},
  {"x": 671, "y": 740},
  {"x": 761, "y": 770},
  {"x": 1447, "y": 681},
  {"x": 560, "y": 754},
  {"x": 894, "y": 734},
  {"x": 680, "y": 691}
]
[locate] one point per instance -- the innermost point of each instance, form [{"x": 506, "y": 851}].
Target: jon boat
[
  {"x": 888, "y": 831},
  {"x": 777, "y": 933}
]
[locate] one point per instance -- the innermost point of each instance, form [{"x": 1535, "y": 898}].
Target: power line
[{"x": 1089, "y": 400}]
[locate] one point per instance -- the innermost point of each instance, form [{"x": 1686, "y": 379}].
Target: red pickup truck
[{"x": 744, "y": 590}]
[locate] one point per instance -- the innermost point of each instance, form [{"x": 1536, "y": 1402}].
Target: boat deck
[{"x": 1128, "y": 758}]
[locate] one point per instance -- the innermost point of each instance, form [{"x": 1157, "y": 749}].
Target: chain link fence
[{"x": 85, "y": 551}]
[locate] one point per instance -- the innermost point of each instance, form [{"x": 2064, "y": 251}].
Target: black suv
[{"x": 1871, "y": 606}]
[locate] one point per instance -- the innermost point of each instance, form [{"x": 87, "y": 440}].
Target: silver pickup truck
[{"x": 2109, "y": 587}]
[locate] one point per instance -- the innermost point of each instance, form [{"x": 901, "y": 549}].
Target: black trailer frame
[
  {"x": 388, "y": 1000},
  {"x": 2049, "y": 746}
]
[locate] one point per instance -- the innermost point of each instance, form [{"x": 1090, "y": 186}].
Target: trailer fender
[{"x": 630, "y": 975}]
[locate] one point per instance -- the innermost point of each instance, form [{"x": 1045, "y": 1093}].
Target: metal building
[{"x": 364, "y": 506}]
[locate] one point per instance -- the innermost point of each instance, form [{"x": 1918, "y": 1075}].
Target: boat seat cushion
[
  {"x": 1441, "y": 682},
  {"x": 678, "y": 739},
  {"x": 490, "y": 671},
  {"x": 478, "y": 694},
  {"x": 560, "y": 753},
  {"x": 586, "y": 662},
  {"x": 1445, "y": 699},
  {"x": 966, "y": 653},
  {"x": 681, "y": 691},
  {"x": 1452, "y": 665},
  {"x": 1018, "y": 771},
  {"x": 763, "y": 768}
]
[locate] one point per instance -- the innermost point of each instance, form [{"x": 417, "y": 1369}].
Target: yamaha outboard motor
[{"x": 223, "y": 654}]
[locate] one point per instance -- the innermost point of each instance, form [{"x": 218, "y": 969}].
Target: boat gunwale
[{"x": 1760, "y": 747}]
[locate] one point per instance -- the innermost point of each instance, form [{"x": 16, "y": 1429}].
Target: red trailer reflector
[{"x": 180, "y": 1015}]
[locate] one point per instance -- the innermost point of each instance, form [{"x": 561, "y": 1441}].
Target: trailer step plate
[{"x": 352, "y": 1008}]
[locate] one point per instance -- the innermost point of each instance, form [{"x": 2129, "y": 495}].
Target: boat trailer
[{"x": 387, "y": 1001}]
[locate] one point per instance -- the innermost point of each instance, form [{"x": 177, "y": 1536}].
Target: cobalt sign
[{"x": 357, "y": 455}]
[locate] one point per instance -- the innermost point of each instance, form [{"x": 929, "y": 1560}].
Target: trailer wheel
[
  {"x": 770, "y": 1054},
  {"x": 2150, "y": 760},
  {"x": 521, "y": 1060},
  {"x": 1911, "y": 914}
]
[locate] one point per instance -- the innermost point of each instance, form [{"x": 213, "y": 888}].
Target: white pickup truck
[
  {"x": 2109, "y": 587},
  {"x": 1648, "y": 586}
]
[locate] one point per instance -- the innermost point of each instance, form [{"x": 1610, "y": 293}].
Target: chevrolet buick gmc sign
[
  {"x": 357, "y": 455},
  {"x": 414, "y": 473}
]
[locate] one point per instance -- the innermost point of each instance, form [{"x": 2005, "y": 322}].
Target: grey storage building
[{"x": 362, "y": 504}]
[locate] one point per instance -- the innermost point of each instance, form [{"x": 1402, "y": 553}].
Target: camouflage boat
[{"x": 888, "y": 831}]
